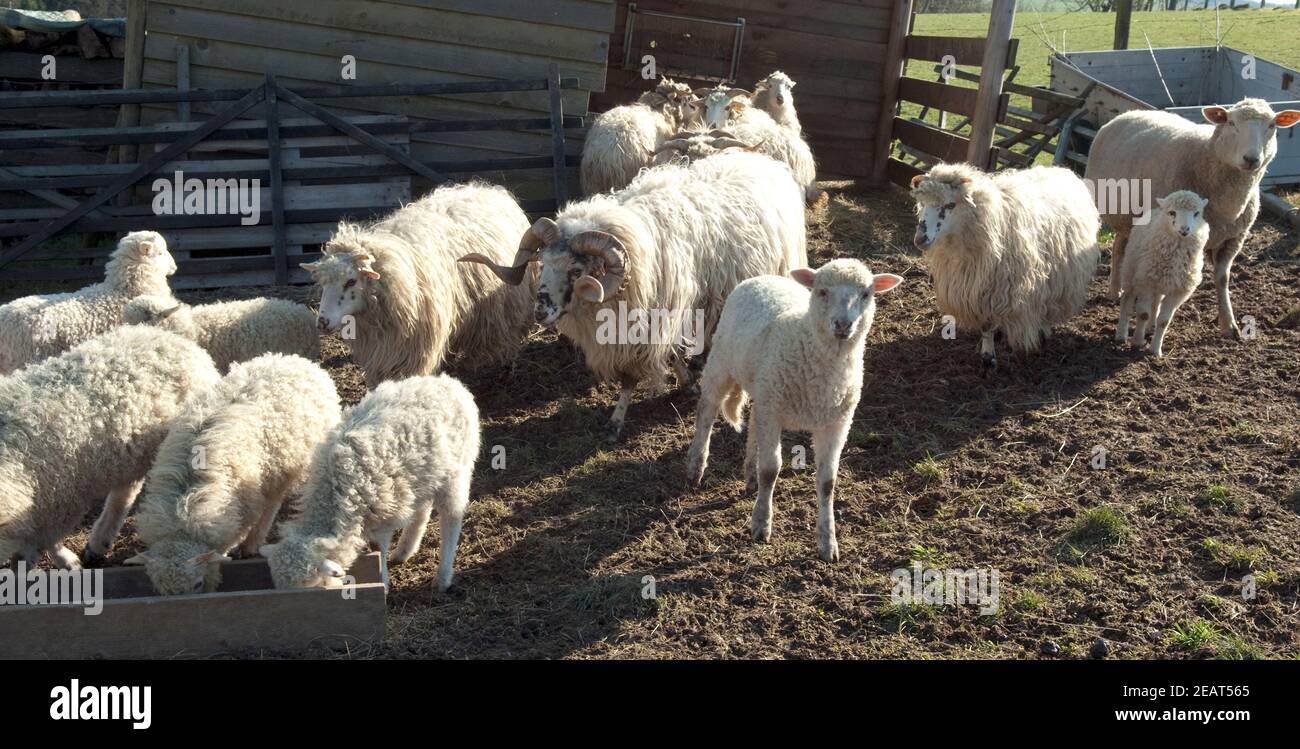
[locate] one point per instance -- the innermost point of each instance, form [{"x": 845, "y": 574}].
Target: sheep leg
[
  {"x": 1143, "y": 307},
  {"x": 412, "y": 534},
  {"x": 1117, "y": 262},
  {"x": 109, "y": 524},
  {"x": 383, "y": 541},
  {"x": 449, "y": 522},
  {"x": 751, "y": 476},
  {"x": 258, "y": 533},
  {"x": 64, "y": 559},
  {"x": 1125, "y": 312},
  {"x": 615, "y": 428},
  {"x": 1168, "y": 306},
  {"x": 1222, "y": 274},
  {"x": 988, "y": 350},
  {"x": 712, "y": 391},
  {"x": 767, "y": 452},
  {"x": 827, "y": 444}
]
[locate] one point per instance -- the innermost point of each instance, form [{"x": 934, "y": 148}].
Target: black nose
[{"x": 1251, "y": 161}]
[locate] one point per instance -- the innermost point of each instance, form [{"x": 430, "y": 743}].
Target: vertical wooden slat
[
  {"x": 894, "y": 64},
  {"x": 1123, "y": 19},
  {"x": 996, "y": 45},
  {"x": 274, "y": 158},
  {"x": 557, "y": 136},
  {"x": 132, "y": 69},
  {"x": 183, "y": 80}
]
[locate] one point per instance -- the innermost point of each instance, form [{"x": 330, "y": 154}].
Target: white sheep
[
  {"x": 35, "y": 327},
  {"x": 1160, "y": 152},
  {"x": 1162, "y": 265},
  {"x": 688, "y": 146},
  {"x": 232, "y": 331},
  {"x": 231, "y": 456},
  {"x": 775, "y": 95},
  {"x": 622, "y": 141},
  {"x": 406, "y": 449},
  {"x": 670, "y": 247},
  {"x": 1012, "y": 251},
  {"x": 85, "y": 424},
  {"x": 798, "y": 355},
  {"x": 426, "y": 309}
]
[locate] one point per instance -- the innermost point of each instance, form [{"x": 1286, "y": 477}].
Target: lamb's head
[
  {"x": 1245, "y": 136},
  {"x": 587, "y": 267},
  {"x": 345, "y": 275},
  {"x": 1182, "y": 212},
  {"x": 155, "y": 309},
  {"x": 691, "y": 146},
  {"x": 843, "y": 303},
  {"x": 779, "y": 87},
  {"x": 179, "y": 565},
  {"x": 145, "y": 251},
  {"x": 944, "y": 201},
  {"x": 299, "y": 561},
  {"x": 722, "y": 104}
]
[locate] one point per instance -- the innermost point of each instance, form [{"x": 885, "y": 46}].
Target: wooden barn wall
[
  {"x": 833, "y": 49},
  {"x": 233, "y": 43}
]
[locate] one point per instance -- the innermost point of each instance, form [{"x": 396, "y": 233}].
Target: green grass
[
  {"x": 1099, "y": 526},
  {"x": 1231, "y": 555},
  {"x": 929, "y": 470},
  {"x": 1221, "y": 498},
  {"x": 1194, "y": 634}
]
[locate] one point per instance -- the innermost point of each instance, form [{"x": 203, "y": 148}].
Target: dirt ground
[{"x": 1197, "y": 501}]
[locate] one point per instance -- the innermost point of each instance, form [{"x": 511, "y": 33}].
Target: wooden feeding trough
[
  {"x": 246, "y": 614},
  {"x": 1181, "y": 80}
]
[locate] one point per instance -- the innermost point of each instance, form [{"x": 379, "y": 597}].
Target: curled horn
[
  {"x": 702, "y": 92},
  {"x": 540, "y": 234},
  {"x": 676, "y": 144},
  {"x": 721, "y": 143},
  {"x": 734, "y": 92},
  {"x": 612, "y": 253}
]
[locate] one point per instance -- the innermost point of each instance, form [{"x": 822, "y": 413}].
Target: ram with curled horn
[{"x": 691, "y": 146}]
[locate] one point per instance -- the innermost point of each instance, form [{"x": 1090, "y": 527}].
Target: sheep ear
[
  {"x": 804, "y": 276},
  {"x": 588, "y": 289},
  {"x": 1204, "y": 202},
  {"x": 1160, "y": 202},
  {"x": 1286, "y": 118},
  {"x": 141, "y": 558},
  {"x": 210, "y": 557},
  {"x": 1215, "y": 115},
  {"x": 373, "y": 275},
  {"x": 169, "y": 312},
  {"x": 266, "y": 550},
  {"x": 310, "y": 267},
  {"x": 917, "y": 180},
  {"x": 331, "y": 568},
  {"x": 885, "y": 282}
]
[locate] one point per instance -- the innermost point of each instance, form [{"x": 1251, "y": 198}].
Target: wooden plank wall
[
  {"x": 233, "y": 43},
  {"x": 833, "y": 49}
]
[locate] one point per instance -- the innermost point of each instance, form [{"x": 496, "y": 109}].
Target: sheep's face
[
  {"x": 1245, "y": 136},
  {"x": 345, "y": 280},
  {"x": 1182, "y": 212},
  {"x": 147, "y": 248},
  {"x": 178, "y": 567},
  {"x": 781, "y": 88},
  {"x": 299, "y": 562},
  {"x": 843, "y": 304},
  {"x": 942, "y": 201},
  {"x": 150, "y": 310},
  {"x": 561, "y": 281}
]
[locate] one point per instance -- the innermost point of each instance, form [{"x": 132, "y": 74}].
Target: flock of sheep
[{"x": 215, "y": 414}]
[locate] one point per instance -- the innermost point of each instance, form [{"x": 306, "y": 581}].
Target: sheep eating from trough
[
  {"x": 623, "y": 140},
  {"x": 227, "y": 463},
  {"x": 1161, "y": 152},
  {"x": 404, "y": 305},
  {"x": 1010, "y": 252},
  {"x": 233, "y": 331},
  {"x": 775, "y": 95},
  {"x": 406, "y": 449},
  {"x": 798, "y": 355},
  {"x": 667, "y": 250},
  {"x": 85, "y": 424},
  {"x": 1162, "y": 266},
  {"x": 36, "y": 327}
]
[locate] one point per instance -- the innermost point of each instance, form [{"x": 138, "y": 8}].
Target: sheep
[
  {"x": 425, "y": 309},
  {"x": 233, "y": 331},
  {"x": 775, "y": 95},
  {"x": 1010, "y": 252},
  {"x": 722, "y": 106},
  {"x": 670, "y": 247},
  {"x": 1162, "y": 265},
  {"x": 37, "y": 327},
  {"x": 687, "y": 146},
  {"x": 799, "y": 356},
  {"x": 231, "y": 456},
  {"x": 406, "y": 449},
  {"x": 86, "y": 424},
  {"x": 731, "y": 109},
  {"x": 623, "y": 140},
  {"x": 1223, "y": 162}
]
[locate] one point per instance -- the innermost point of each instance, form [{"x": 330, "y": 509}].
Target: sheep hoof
[
  {"x": 762, "y": 533},
  {"x": 1232, "y": 334},
  {"x": 990, "y": 362},
  {"x": 695, "y": 471},
  {"x": 93, "y": 558},
  {"x": 829, "y": 551},
  {"x": 613, "y": 431}
]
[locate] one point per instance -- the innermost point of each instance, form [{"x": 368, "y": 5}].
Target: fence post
[
  {"x": 1123, "y": 20},
  {"x": 895, "y": 62},
  {"x": 996, "y": 45},
  {"x": 561, "y": 173},
  {"x": 273, "y": 158}
]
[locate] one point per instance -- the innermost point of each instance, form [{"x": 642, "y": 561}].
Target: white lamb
[
  {"x": 775, "y": 95},
  {"x": 407, "y": 448},
  {"x": 229, "y": 460},
  {"x": 799, "y": 356},
  {"x": 1162, "y": 265},
  {"x": 623, "y": 140},
  {"x": 401, "y": 301},
  {"x": 85, "y": 424},
  {"x": 35, "y": 327},
  {"x": 233, "y": 331},
  {"x": 1223, "y": 161},
  {"x": 1010, "y": 252},
  {"x": 676, "y": 241}
]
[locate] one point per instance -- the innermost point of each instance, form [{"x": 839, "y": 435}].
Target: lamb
[
  {"x": 425, "y": 309},
  {"x": 1010, "y": 252},
  {"x": 37, "y": 327},
  {"x": 1223, "y": 161},
  {"x": 1162, "y": 265},
  {"x": 86, "y": 424},
  {"x": 230, "y": 458},
  {"x": 405, "y": 449},
  {"x": 799, "y": 356},
  {"x": 233, "y": 331},
  {"x": 670, "y": 247},
  {"x": 775, "y": 95},
  {"x": 623, "y": 140}
]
